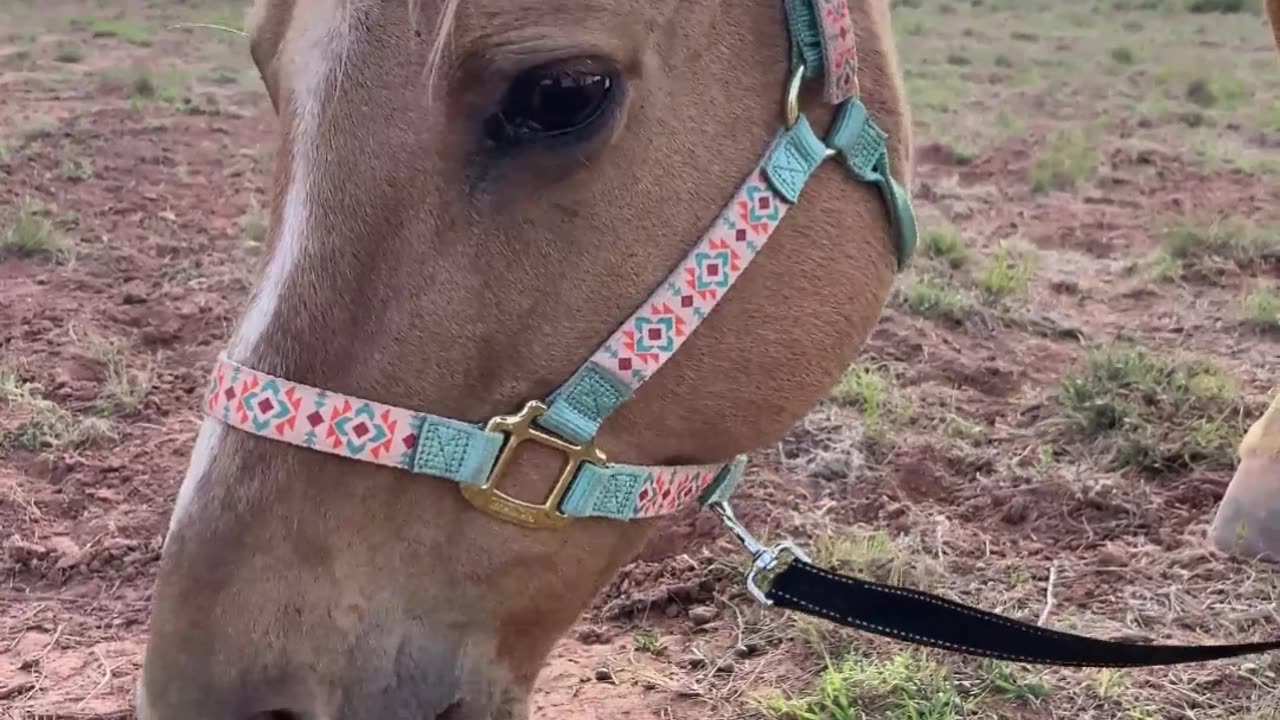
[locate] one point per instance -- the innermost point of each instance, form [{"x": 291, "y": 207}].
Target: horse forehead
[{"x": 484, "y": 17}]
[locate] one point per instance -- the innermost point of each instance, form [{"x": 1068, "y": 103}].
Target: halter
[
  {"x": 476, "y": 457},
  {"x": 589, "y": 485}
]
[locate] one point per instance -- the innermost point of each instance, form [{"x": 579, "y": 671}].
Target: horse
[{"x": 469, "y": 198}]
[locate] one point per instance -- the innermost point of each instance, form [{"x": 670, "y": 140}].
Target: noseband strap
[{"x": 425, "y": 444}]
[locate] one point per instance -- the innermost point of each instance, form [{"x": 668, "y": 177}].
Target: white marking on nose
[{"x": 311, "y": 56}]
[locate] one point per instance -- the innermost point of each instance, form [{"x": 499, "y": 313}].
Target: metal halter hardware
[
  {"x": 519, "y": 428},
  {"x": 765, "y": 560}
]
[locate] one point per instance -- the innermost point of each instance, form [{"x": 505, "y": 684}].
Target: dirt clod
[
  {"x": 694, "y": 662},
  {"x": 702, "y": 615},
  {"x": 593, "y": 635}
]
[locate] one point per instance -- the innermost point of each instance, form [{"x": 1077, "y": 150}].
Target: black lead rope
[{"x": 923, "y": 619}]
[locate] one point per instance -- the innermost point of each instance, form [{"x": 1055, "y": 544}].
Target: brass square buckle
[{"x": 520, "y": 428}]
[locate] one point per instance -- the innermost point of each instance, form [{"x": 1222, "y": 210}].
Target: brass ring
[
  {"x": 792, "y": 105},
  {"x": 792, "y": 102}
]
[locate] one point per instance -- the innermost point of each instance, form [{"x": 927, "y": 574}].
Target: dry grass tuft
[
  {"x": 28, "y": 232},
  {"x": 1214, "y": 244},
  {"x": 827, "y": 443},
  {"x": 1262, "y": 309},
  {"x": 1070, "y": 159},
  {"x": 1152, "y": 412},
  {"x": 31, "y": 422},
  {"x": 872, "y": 390},
  {"x": 126, "y": 384}
]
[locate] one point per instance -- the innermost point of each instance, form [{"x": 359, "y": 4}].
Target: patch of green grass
[
  {"x": 1262, "y": 309},
  {"x": 1123, "y": 55},
  {"x": 871, "y": 390},
  {"x": 77, "y": 169},
  {"x": 1164, "y": 268},
  {"x": 169, "y": 85},
  {"x": 1001, "y": 679},
  {"x": 875, "y": 555},
  {"x": 1199, "y": 93},
  {"x": 31, "y": 422},
  {"x": 649, "y": 642},
  {"x": 933, "y": 299},
  {"x": 1045, "y": 460},
  {"x": 1111, "y": 684},
  {"x": 1222, "y": 240},
  {"x": 945, "y": 244},
  {"x": 157, "y": 84},
  {"x": 254, "y": 224},
  {"x": 1217, "y": 6},
  {"x": 1069, "y": 159},
  {"x": 1005, "y": 277},
  {"x": 962, "y": 429},
  {"x": 1224, "y": 91},
  {"x": 1019, "y": 576},
  {"x": 126, "y": 386},
  {"x": 1143, "y": 711},
  {"x": 909, "y": 686},
  {"x": 68, "y": 53},
  {"x": 29, "y": 233},
  {"x": 132, "y": 32},
  {"x": 1226, "y": 150},
  {"x": 1151, "y": 412},
  {"x": 11, "y": 385}
]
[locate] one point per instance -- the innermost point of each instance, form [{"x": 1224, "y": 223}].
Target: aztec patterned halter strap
[{"x": 822, "y": 38}]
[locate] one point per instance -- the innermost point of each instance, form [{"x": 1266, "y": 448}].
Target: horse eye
[{"x": 551, "y": 100}]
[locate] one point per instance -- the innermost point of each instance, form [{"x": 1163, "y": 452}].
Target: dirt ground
[{"x": 1092, "y": 177}]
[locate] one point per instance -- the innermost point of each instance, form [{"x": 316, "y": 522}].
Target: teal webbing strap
[
  {"x": 806, "y": 36},
  {"x": 725, "y": 483},
  {"x": 455, "y": 450},
  {"x": 906, "y": 234},
  {"x": 862, "y": 146},
  {"x": 793, "y": 158},
  {"x": 614, "y": 491},
  {"x": 578, "y": 408},
  {"x": 611, "y": 491}
]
